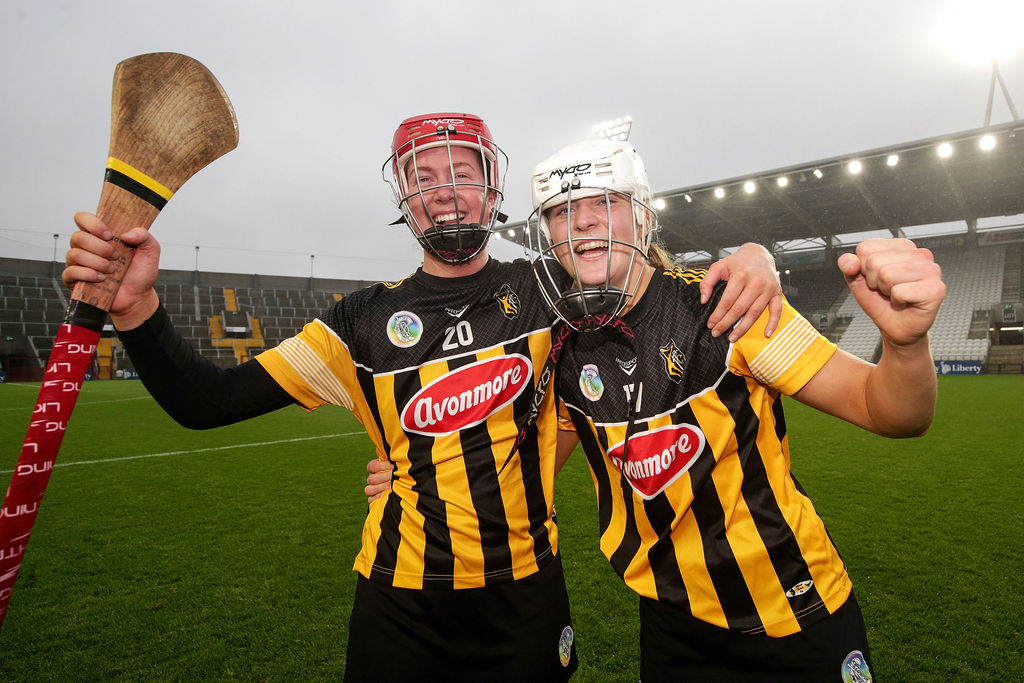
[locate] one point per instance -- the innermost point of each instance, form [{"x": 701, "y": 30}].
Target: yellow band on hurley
[{"x": 139, "y": 177}]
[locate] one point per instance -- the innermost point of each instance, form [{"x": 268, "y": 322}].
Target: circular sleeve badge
[{"x": 404, "y": 329}]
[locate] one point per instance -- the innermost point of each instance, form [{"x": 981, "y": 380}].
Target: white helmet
[{"x": 581, "y": 170}]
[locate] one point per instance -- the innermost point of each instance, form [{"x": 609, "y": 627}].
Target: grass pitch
[{"x": 165, "y": 554}]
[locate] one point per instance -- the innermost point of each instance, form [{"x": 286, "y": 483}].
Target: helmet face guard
[
  {"x": 605, "y": 174},
  {"x": 461, "y": 240}
]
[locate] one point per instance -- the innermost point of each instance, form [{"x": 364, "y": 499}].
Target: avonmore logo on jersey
[
  {"x": 658, "y": 457},
  {"x": 466, "y": 397}
]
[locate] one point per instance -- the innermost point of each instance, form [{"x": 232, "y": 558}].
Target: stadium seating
[
  {"x": 861, "y": 337},
  {"x": 33, "y": 305},
  {"x": 814, "y": 292},
  {"x": 974, "y": 281},
  {"x": 282, "y": 312}
]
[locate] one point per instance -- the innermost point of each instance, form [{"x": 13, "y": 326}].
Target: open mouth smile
[
  {"x": 591, "y": 248},
  {"x": 448, "y": 218}
]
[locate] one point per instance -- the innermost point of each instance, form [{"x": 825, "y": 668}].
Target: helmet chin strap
[
  {"x": 455, "y": 243},
  {"x": 585, "y": 303},
  {"x": 591, "y": 307}
]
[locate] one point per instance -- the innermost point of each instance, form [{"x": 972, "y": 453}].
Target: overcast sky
[{"x": 716, "y": 89}]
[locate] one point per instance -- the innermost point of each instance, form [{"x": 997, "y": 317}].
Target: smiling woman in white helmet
[
  {"x": 685, "y": 435},
  {"x": 599, "y": 187}
]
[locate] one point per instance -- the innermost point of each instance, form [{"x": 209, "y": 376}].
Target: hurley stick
[{"x": 169, "y": 119}]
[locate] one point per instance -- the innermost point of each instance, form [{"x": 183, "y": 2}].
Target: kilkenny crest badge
[
  {"x": 404, "y": 329},
  {"x": 674, "y": 361},
  {"x": 590, "y": 382},
  {"x": 509, "y": 301}
]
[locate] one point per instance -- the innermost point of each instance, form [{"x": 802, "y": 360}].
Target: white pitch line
[
  {"x": 115, "y": 400},
  {"x": 197, "y": 450},
  {"x": 91, "y": 403}
]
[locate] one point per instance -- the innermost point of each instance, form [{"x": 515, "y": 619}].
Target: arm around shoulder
[{"x": 752, "y": 285}]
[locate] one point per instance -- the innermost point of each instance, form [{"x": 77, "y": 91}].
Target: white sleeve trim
[
  {"x": 311, "y": 368},
  {"x": 782, "y": 351}
]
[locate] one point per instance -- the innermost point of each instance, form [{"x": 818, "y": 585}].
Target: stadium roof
[{"x": 899, "y": 186}]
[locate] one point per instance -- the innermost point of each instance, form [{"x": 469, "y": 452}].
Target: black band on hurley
[
  {"x": 135, "y": 187},
  {"x": 85, "y": 315}
]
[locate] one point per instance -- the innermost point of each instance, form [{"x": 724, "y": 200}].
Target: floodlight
[
  {"x": 617, "y": 129},
  {"x": 982, "y": 31},
  {"x": 688, "y": 198},
  {"x": 987, "y": 142},
  {"x": 659, "y": 204},
  {"x": 892, "y": 159},
  {"x": 855, "y": 167},
  {"x": 749, "y": 187},
  {"x": 719, "y": 192},
  {"x": 782, "y": 181},
  {"x": 511, "y": 233},
  {"x": 945, "y": 150},
  {"x": 817, "y": 173}
]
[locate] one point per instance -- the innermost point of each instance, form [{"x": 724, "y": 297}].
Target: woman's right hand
[{"x": 90, "y": 259}]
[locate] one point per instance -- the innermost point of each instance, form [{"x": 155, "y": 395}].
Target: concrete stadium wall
[{"x": 11, "y": 266}]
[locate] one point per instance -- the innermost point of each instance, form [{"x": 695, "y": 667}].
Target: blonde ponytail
[{"x": 659, "y": 257}]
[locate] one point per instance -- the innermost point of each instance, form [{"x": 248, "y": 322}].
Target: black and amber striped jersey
[
  {"x": 701, "y": 510},
  {"x": 440, "y": 372}
]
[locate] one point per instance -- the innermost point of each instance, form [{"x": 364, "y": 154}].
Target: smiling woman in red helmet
[
  {"x": 447, "y": 175},
  {"x": 699, "y": 512},
  {"x": 459, "y": 573}
]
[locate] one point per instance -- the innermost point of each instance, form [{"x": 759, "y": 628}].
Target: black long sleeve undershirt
[{"x": 194, "y": 391}]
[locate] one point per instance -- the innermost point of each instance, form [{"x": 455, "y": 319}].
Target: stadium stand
[
  {"x": 974, "y": 288},
  {"x": 32, "y": 308},
  {"x": 813, "y": 290},
  {"x": 985, "y": 290},
  {"x": 979, "y": 282},
  {"x": 861, "y": 337},
  {"x": 283, "y": 312},
  {"x": 33, "y": 302},
  {"x": 974, "y": 283}
]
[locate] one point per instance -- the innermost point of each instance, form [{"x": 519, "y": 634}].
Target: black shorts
[
  {"x": 514, "y": 631},
  {"x": 676, "y": 647}
]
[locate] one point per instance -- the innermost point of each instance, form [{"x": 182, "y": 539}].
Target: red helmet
[{"x": 456, "y": 242}]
